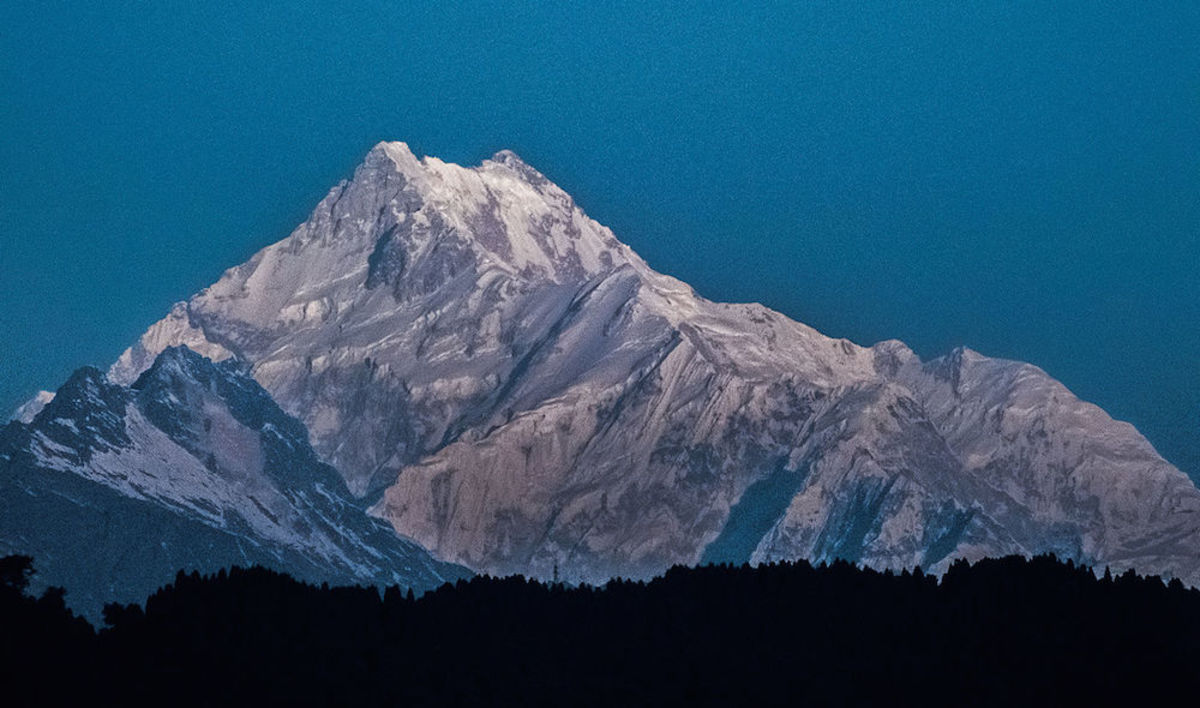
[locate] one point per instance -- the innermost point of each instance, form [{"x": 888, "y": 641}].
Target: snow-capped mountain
[
  {"x": 516, "y": 390},
  {"x": 113, "y": 489}
]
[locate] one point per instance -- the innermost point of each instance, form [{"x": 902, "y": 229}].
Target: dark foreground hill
[{"x": 1007, "y": 631}]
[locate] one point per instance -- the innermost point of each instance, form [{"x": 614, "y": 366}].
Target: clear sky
[{"x": 1021, "y": 179}]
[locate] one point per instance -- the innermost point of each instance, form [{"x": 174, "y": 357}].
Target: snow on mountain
[
  {"x": 115, "y": 488},
  {"x": 26, "y": 412},
  {"x": 516, "y": 390}
]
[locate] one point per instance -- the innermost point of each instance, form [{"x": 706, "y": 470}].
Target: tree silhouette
[
  {"x": 15, "y": 572},
  {"x": 998, "y": 632}
]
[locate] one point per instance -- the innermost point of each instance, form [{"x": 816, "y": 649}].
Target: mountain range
[{"x": 462, "y": 354}]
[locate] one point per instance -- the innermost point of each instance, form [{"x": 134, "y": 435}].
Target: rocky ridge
[{"x": 113, "y": 489}]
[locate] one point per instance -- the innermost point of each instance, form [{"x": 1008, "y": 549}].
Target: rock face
[
  {"x": 516, "y": 390},
  {"x": 114, "y": 489}
]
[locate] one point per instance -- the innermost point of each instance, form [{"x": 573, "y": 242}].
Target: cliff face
[{"x": 515, "y": 389}]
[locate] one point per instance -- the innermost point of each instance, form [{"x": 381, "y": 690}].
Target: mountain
[
  {"x": 510, "y": 386},
  {"x": 113, "y": 489}
]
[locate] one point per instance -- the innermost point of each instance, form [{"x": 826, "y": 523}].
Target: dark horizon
[{"x": 999, "y": 632}]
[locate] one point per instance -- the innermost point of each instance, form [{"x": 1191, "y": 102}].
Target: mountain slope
[
  {"x": 113, "y": 489},
  {"x": 515, "y": 389}
]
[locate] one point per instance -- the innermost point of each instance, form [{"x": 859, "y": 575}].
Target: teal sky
[{"x": 1023, "y": 179}]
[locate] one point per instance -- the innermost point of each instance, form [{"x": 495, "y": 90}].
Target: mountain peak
[
  {"x": 86, "y": 387},
  {"x": 179, "y": 361},
  {"x": 399, "y": 153},
  {"x": 507, "y": 157},
  {"x": 525, "y": 171},
  {"x": 428, "y": 221}
]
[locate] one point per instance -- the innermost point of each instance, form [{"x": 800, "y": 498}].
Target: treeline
[{"x": 1002, "y": 632}]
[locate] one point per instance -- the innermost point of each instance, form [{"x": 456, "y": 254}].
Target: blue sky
[{"x": 1022, "y": 179}]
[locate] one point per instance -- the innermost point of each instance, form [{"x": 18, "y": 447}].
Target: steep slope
[
  {"x": 518, "y": 391},
  {"x": 113, "y": 489}
]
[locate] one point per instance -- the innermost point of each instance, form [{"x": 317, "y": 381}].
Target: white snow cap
[{"x": 26, "y": 412}]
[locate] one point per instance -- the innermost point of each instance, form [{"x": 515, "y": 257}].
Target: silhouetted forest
[{"x": 1007, "y": 631}]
